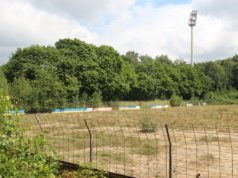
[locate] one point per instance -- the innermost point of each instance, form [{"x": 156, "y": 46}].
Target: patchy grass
[
  {"x": 207, "y": 158},
  {"x": 147, "y": 148},
  {"x": 199, "y": 116},
  {"x": 118, "y": 140}
]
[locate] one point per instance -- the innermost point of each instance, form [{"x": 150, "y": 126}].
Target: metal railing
[{"x": 125, "y": 148}]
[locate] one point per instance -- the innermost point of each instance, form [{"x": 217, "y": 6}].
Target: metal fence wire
[{"x": 123, "y": 147}]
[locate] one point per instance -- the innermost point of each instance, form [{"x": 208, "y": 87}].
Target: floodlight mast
[{"x": 192, "y": 22}]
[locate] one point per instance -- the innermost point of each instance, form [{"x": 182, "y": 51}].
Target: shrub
[
  {"x": 20, "y": 156},
  {"x": 84, "y": 172},
  {"x": 148, "y": 125},
  {"x": 96, "y": 99},
  {"x": 87, "y": 171},
  {"x": 175, "y": 100}
]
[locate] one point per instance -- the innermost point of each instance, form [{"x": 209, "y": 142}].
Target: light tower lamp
[{"x": 192, "y": 22}]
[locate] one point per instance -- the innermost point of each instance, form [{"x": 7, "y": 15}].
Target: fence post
[
  {"x": 90, "y": 142},
  {"x": 170, "y": 152},
  {"x": 38, "y": 122}
]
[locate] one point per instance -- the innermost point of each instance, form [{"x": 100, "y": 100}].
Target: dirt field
[{"x": 204, "y": 140}]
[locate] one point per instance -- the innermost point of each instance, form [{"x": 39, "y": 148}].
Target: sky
[{"x": 152, "y": 27}]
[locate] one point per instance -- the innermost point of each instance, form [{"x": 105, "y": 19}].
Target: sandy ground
[{"x": 119, "y": 145}]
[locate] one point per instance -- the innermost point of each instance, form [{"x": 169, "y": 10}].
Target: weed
[
  {"x": 88, "y": 171},
  {"x": 148, "y": 125},
  {"x": 207, "y": 157}
]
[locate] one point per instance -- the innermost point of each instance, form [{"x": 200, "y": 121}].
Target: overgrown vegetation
[
  {"x": 85, "y": 172},
  {"x": 20, "y": 156},
  {"x": 148, "y": 125},
  {"x": 74, "y": 73}
]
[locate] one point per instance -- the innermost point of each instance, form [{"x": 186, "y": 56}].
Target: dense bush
[
  {"x": 175, "y": 100},
  {"x": 19, "y": 156}
]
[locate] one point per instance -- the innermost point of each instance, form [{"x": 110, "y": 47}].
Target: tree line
[{"x": 41, "y": 78}]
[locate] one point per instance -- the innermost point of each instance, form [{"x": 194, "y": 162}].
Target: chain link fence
[{"x": 138, "y": 149}]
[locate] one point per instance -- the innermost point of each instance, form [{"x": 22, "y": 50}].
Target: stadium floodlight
[{"x": 192, "y": 22}]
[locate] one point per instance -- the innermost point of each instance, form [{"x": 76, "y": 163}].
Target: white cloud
[
  {"x": 92, "y": 12},
  {"x": 217, "y": 8},
  {"x": 125, "y": 25},
  {"x": 23, "y": 25},
  {"x": 151, "y": 30},
  {"x": 164, "y": 30},
  {"x": 217, "y": 34}
]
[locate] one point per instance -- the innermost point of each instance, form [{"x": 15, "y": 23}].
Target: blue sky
[{"x": 152, "y": 27}]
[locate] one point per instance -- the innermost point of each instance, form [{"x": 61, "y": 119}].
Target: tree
[
  {"x": 24, "y": 95},
  {"x": 217, "y": 73},
  {"x": 116, "y": 75},
  {"x": 51, "y": 90},
  {"x": 66, "y": 73},
  {"x": 145, "y": 88},
  {"x": 235, "y": 77},
  {"x": 228, "y": 66},
  {"x": 163, "y": 59},
  {"x": 179, "y": 61},
  {"x": 145, "y": 58},
  {"x": 167, "y": 77},
  {"x": 25, "y": 62},
  {"x": 42, "y": 77},
  {"x": 96, "y": 99},
  {"x": 83, "y": 63},
  {"x": 132, "y": 57},
  {"x": 189, "y": 84}
]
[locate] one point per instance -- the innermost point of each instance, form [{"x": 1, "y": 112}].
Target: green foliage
[
  {"x": 190, "y": 84},
  {"x": 88, "y": 171},
  {"x": 195, "y": 100},
  {"x": 84, "y": 172},
  {"x": 4, "y": 98},
  {"x": 24, "y": 95},
  {"x": 96, "y": 99},
  {"x": 175, "y": 100},
  {"x": 83, "y": 100},
  {"x": 217, "y": 73},
  {"x": 230, "y": 97},
  {"x": 145, "y": 88},
  {"x": 42, "y": 78},
  {"x": 53, "y": 75},
  {"x": 148, "y": 125},
  {"x": 132, "y": 57},
  {"x": 20, "y": 156},
  {"x": 51, "y": 91},
  {"x": 235, "y": 77}
]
